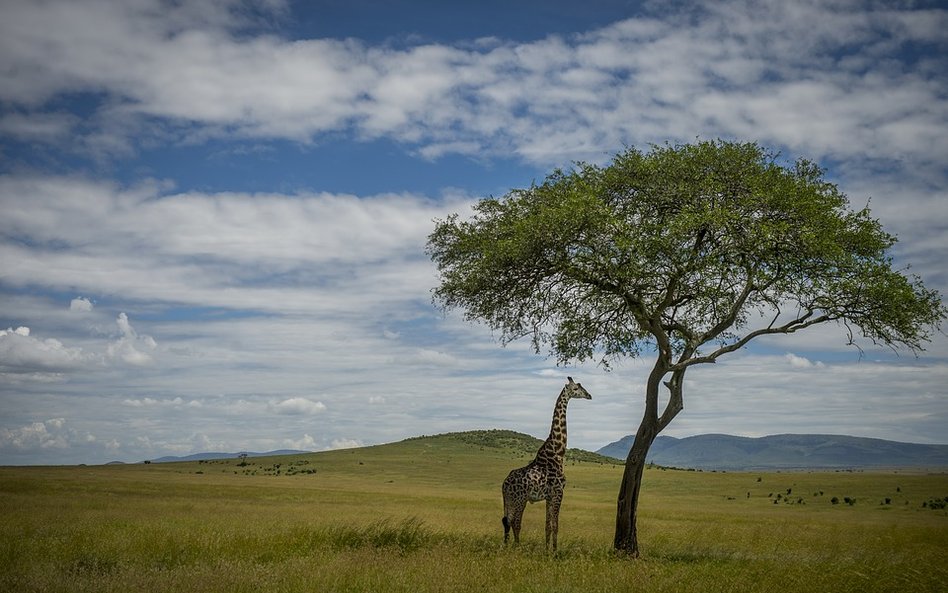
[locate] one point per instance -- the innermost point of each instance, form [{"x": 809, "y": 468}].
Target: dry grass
[{"x": 424, "y": 516}]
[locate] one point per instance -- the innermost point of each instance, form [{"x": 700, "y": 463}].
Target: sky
[{"x": 213, "y": 213}]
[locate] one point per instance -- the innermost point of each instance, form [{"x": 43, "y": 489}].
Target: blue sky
[{"x": 214, "y": 213}]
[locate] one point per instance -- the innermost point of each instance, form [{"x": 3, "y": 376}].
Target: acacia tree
[{"x": 684, "y": 253}]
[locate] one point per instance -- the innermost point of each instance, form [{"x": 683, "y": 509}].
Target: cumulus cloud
[
  {"x": 801, "y": 362},
  {"x": 50, "y": 434},
  {"x": 80, "y": 304},
  {"x": 47, "y": 358},
  {"x": 306, "y": 443},
  {"x": 345, "y": 444},
  {"x": 299, "y": 406},
  {"x": 131, "y": 348},
  {"x": 20, "y": 352}
]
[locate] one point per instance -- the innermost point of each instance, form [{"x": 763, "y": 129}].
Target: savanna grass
[{"x": 424, "y": 516}]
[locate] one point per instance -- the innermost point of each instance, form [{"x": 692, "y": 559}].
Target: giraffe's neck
[{"x": 554, "y": 448}]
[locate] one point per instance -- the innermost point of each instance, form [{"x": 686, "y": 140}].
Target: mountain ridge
[{"x": 784, "y": 451}]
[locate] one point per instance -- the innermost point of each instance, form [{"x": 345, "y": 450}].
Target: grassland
[{"x": 423, "y": 515}]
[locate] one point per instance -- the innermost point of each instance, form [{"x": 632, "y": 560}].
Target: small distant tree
[
  {"x": 243, "y": 459},
  {"x": 684, "y": 253}
]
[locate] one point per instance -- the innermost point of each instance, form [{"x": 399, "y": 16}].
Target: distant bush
[
  {"x": 935, "y": 503},
  {"x": 834, "y": 500}
]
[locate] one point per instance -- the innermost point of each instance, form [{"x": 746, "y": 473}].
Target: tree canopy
[{"x": 692, "y": 249}]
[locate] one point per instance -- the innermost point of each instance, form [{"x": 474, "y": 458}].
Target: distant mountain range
[
  {"x": 712, "y": 451},
  {"x": 209, "y": 456},
  {"x": 784, "y": 451}
]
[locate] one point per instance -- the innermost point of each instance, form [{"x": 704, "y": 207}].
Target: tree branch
[
  {"x": 675, "y": 401},
  {"x": 729, "y": 319},
  {"x": 790, "y": 327}
]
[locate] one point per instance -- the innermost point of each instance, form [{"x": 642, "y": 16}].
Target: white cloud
[
  {"x": 20, "y": 352},
  {"x": 801, "y": 362},
  {"x": 150, "y": 402},
  {"x": 345, "y": 444},
  {"x": 50, "y": 434},
  {"x": 202, "y": 442},
  {"x": 306, "y": 443},
  {"x": 296, "y": 406},
  {"x": 80, "y": 304},
  {"x": 20, "y": 331},
  {"x": 44, "y": 359},
  {"x": 129, "y": 346},
  {"x": 217, "y": 249},
  {"x": 814, "y": 77}
]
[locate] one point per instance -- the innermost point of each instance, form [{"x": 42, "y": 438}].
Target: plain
[{"x": 424, "y": 515}]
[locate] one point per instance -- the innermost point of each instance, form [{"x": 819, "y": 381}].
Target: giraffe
[{"x": 542, "y": 478}]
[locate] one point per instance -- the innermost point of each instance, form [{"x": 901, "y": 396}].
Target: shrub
[{"x": 936, "y": 503}]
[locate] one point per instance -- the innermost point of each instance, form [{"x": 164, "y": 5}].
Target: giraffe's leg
[
  {"x": 516, "y": 518},
  {"x": 506, "y": 519},
  {"x": 553, "y": 518},
  {"x": 509, "y": 508}
]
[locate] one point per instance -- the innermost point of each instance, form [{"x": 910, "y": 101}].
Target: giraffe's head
[{"x": 576, "y": 390}]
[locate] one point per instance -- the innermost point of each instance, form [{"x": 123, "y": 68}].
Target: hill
[
  {"x": 502, "y": 441},
  {"x": 786, "y": 451},
  {"x": 514, "y": 442}
]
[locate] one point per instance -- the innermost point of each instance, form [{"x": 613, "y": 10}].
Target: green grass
[{"x": 424, "y": 515}]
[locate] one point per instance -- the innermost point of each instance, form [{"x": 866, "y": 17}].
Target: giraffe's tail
[{"x": 506, "y": 523}]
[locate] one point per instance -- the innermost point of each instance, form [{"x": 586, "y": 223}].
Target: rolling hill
[
  {"x": 785, "y": 451},
  {"x": 504, "y": 440}
]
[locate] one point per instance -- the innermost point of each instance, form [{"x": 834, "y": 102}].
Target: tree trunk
[{"x": 626, "y": 538}]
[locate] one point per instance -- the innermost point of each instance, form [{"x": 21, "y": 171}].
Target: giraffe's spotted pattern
[{"x": 543, "y": 478}]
